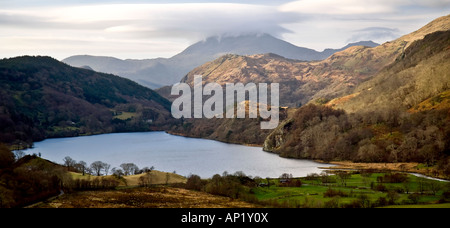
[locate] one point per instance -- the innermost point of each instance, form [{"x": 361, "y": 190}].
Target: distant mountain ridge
[
  {"x": 260, "y": 44},
  {"x": 156, "y": 73}
]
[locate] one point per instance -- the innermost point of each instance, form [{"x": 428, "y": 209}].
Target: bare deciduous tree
[
  {"x": 69, "y": 162},
  {"x": 129, "y": 168},
  {"x": 81, "y": 166},
  {"x": 97, "y": 167},
  {"x": 106, "y": 168}
]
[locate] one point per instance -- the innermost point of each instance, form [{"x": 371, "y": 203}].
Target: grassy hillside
[
  {"x": 422, "y": 72},
  {"x": 28, "y": 180},
  {"x": 438, "y": 102},
  {"x": 41, "y": 97}
]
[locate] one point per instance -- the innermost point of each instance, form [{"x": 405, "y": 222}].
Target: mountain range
[
  {"x": 156, "y": 73},
  {"x": 401, "y": 114},
  {"x": 388, "y": 103},
  {"x": 304, "y": 81}
]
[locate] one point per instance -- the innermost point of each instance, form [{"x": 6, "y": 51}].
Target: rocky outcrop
[{"x": 277, "y": 138}]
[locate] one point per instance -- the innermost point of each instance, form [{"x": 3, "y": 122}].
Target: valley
[{"x": 377, "y": 110}]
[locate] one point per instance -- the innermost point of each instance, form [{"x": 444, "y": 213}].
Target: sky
[{"x": 142, "y": 29}]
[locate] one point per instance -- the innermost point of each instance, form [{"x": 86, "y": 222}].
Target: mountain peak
[
  {"x": 368, "y": 43},
  {"x": 439, "y": 24},
  {"x": 257, "y": 43}
]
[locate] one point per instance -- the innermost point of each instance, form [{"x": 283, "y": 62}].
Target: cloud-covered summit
[{"x": 147, "y": 29}]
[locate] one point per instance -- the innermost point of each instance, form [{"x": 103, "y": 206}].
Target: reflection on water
[{"x": 171, "y": 153}]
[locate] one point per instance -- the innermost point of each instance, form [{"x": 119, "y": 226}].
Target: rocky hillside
[
  {"x": 423, "y": 71},
  {"x": 399, "y": 115}
]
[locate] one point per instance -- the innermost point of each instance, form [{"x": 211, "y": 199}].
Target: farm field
[{"x": 357, "y": 190}]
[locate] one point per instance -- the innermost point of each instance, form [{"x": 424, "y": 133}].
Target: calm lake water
[{"x": 171, "y": 153}]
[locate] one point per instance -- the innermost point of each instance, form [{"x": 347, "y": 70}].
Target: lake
[{"x": 171, "y": 153}]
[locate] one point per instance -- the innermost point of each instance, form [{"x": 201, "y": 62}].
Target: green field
[
  {"x": 125, "y": 115},
  {"x": 357, "y": 190}
]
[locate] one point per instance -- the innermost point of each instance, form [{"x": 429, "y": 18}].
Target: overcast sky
[{"x": 140, "y": 29}]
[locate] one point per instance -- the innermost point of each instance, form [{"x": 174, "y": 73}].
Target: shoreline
[
  {"x": 187, "y": 136},
  {"x": 411, "y": 167},
  {"x": 406, "y": 167}
]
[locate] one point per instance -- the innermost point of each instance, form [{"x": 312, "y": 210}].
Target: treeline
[
  {"x": 99, "y": 168},
  {"x": 320, "y": 132}
]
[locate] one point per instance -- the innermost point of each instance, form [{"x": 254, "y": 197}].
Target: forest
[
  {"x": 323, "y": 133},
  {"x": 41, "y": 98}
]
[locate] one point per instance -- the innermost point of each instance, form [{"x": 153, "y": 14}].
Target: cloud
[
  {"x": 342, "y": 7},
  {"x": 374, "y": 33},
  {"x": 134, "y": 23},
  {"x": 161, "y": 29},
  {"x": 432, "y": 3},
  {"x": 358, "y": 7},
  {"x": 157, "y": 19},
  {"x": 338, "y": 22}
]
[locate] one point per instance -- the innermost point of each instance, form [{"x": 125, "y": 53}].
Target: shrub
[
  {"x": 381, "y": 202},
  {"x": 333, "y": 203},
  {"x": 330, "y": 193},
  {"x": 393, "y": 178},
  {"x": 414, "y": 198},
  {"x": 194, "y": 182}
]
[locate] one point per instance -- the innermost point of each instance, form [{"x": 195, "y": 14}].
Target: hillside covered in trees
[
  {"x": 41, "y": 97},
  {"x": 386, "y": 119}
]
